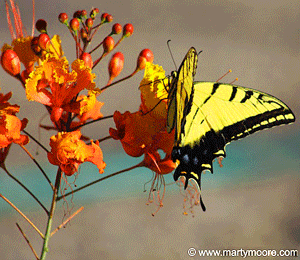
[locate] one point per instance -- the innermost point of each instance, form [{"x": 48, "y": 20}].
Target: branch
[
  {"x": 32, "y": 249},
  {"x": 31, "y": 137},
  {"x": 101, "y": 179},
  {"x": 25, "y": 188},
  {"x": 38, "y": 165},
  {"x": 21, "y": 213},
  {"x": 87, "y": 123},
  {"x": 65, "y": 222}
]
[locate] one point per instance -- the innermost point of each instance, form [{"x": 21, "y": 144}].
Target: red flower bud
[
  {"x": 145, "y": 55},
  {"x": 115, "y": 65},
  {"x": 148, "y": 54},
  {"x": 83, "y": 13},
  {"x": 108, "y": 44},
  {"x": 83, "y": 34},
  {"x": 10, "y": 62},
  {"x": 77, "y": 14},
  {"x": 56, "y": 114},
  {"x": 103, "y": 17},
  {"x": 74, "y": 24},
  {"x": 116, "y": 29},
  {"x": 89, "y": 22},
  {"x": 87, "y": 58},
  {"x": 35, "y": 46},
  {"x": 127, "y": 30},
  {"x": 94, "y": 12},
  {"x": 63, "y": 18},
  {"x": 44, "y": 41},
  {"x": 41, "y": 26},
  {"x": 109, "y": 18}
]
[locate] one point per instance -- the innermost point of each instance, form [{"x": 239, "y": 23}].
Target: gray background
[{"x": 253, "y": 201}]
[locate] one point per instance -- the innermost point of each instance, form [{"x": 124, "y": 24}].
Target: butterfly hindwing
[{"x": 209, "y": 115}]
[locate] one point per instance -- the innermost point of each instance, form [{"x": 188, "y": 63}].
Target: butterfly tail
[{"x": 190, "y": 175}]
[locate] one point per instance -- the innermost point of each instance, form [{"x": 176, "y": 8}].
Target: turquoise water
[{"x": 252, "y": 159}]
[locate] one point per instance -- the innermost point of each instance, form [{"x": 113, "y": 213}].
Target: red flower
[
  {"x": 68, "y": 151},
  {"x": 53, "y": 85}
]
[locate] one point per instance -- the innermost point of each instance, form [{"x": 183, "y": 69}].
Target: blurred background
[{"x": 252, "y": 202}]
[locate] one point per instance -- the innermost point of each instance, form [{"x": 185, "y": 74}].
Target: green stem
[{"x": 51, "y": 214}]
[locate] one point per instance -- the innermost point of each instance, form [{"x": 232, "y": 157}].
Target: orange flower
[
  {"x": 10, "y": 125},
  {"x": 136, "y": 131},
  {"x": 86, "y": 107},
  {"x": 152, "y": 160},
  {"x": 144, "y": 132},
  {"x": 68, "y": 151},
  {"x": 53, "y": 85}
]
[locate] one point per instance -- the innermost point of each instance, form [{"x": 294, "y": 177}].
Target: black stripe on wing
[{"x": 212, "y": 145}]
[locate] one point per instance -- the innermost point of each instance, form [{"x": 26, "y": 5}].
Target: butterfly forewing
[
  {"x": 232, "y": 112},
  {"x": 180, "y": 93}
]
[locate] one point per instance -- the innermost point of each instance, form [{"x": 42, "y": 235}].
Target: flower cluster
[{"x": 69, "y": 93}]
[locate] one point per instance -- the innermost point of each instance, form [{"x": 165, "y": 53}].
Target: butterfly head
[{"x": 174, "y": 74}]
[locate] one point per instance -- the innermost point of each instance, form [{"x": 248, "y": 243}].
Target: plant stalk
[{"x": 51, "y": 214}]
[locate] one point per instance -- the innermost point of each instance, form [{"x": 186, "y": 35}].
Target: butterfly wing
[
  {"x": 180, "y": 93},
  {"x": 219, "y": 114}
]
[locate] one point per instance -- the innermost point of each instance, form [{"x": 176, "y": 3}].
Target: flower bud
[
  {"x": 77, "y": 14},
  {"x": 127, "y": 30},
  {"x": 94, "y": 12},
  {"x": 87, "y": 58},
  {"x": 115, "y": 65},
  {"x": 83, "y": 13},
  {"x": 10, "y": 62},
  {"x": 35, "y": 46},
  {"x": 63, "y": 18},
  {"x": 108, "y": 44},
  {"x": 56, "y": 114},
  {"x": 103, "y": 17},
  {"x": 116, "y": 29},
  {"x": 83, "y": 34},
  {"x": 41, "y": 26},
  {"x": 44, "y": 41},
  {"x": 89, "y": 22},
  {"x": 109, "y": 18},
  {"x": 145, "y": 55},
  {"x": 74, "y": 24}
]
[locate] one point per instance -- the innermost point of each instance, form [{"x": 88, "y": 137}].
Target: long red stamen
[
  {"x": 20, "y": 21},
  {"x": 11, "y": 29},
  {"x": 15, "y": 13},
  {"x": 33, "y": 18}
]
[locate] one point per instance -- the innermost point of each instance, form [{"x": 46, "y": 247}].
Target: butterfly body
[{"x": 208, "y": 115}]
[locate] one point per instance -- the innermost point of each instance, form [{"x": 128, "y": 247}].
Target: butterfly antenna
[
  {"x": 199, "y": 53},
  {"x": 171, "y": 54}
]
